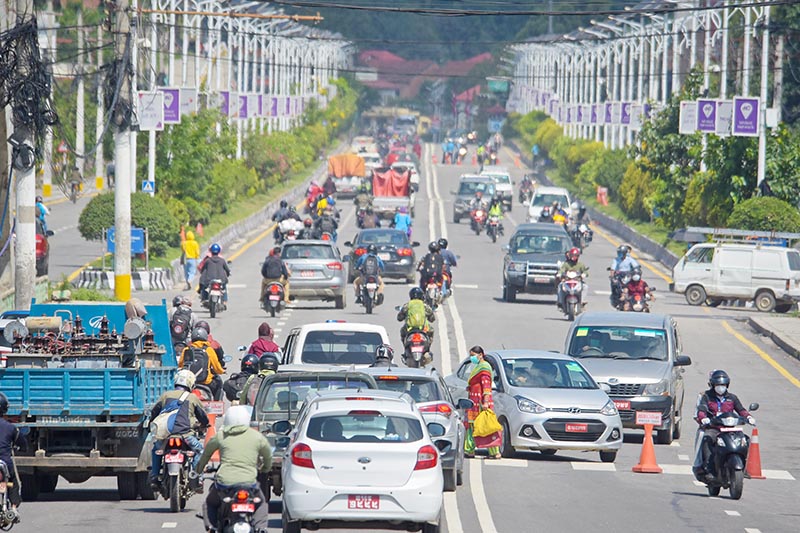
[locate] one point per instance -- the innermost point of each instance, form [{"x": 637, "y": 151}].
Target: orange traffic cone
[
  {"x": 753, "y": 469},
  {"x": 434, "y": 159},
  {"x": 647, "y": 460},
  {"x": 517, "y": 162},
  {"x": 212, "y": 430}
]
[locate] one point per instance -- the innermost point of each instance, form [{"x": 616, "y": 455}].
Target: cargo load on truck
[
  {"x": 348, "y": 172},
  {"x": 391, "y": 189}
]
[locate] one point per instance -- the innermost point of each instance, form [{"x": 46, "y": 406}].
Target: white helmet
[
  {"x": 237, "y": 415},
  {"x": 574, "y": 206},
  {"x": 185, "y": 378}
]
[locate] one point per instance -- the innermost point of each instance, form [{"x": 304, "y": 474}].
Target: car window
[
  {"x": 548, "y": 199},
  {"x": 547, "y": 374},
  {"x": 364, "y": 426},
  {"x": 794, "y": 260},
  {"x": 619, "y": 342},
  {"x": 282, "y": 399},
  {"x": 340, "y": 347},
  {"x": 383, "y": 237},
  {"x": 308, "y": 251},
  {"x": 288, "y": 347},
  {"x": 420, "y": 389},
  {"x": 528, "y": 243},
  {"x": 704, "y": 254},
  {"x": 464, "y": 371},
  {"x": 501, "y": 178},
  {"x": 471, "y": 187}
]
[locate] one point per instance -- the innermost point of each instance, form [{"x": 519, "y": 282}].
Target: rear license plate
[
  {"x": 576, "y": 428},
  {"x": 174, "y": 458},
  {"x": 243, "y": 507},
  {"x": 416, "y": 349},
  {"x": 541, "y": 280},
  {"x": 306, "y": 273},
  {"x": 623, "y": 404},
  {"x": 372, "y": 286},
  {"x": 384, "y": 256},
  {"x": 355, "y": 501},
  {"x": 274, "y": 297}
]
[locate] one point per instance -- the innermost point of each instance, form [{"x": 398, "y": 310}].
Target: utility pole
[
  {"x": 762, "y": 108},
  {"x": 151, "y": 138},
  {"x": 49, "y": 20},
  {"x": 122, "y": 150},
  {"x": 99, "y": 171},
  {"x": 80, "y": 111}
]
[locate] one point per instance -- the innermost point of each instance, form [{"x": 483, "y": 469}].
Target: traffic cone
[
  {"x": 647, "y": 460},
  {"x": 517, "y": 162},
  {"x": 753, "y": 469},
  {"x": 212, "y": 430},
  {"x": 434, "y": 158}
]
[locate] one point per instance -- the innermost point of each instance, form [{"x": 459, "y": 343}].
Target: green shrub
[
  {"x": 546, "y": 136},
  {"x": 637, "y": 185},
  {"x": 604, "y": 168},
  {"x": 570, "y": 154},
  {"x": 765, "y": 214},
  {"x": 707, "y": 203}
]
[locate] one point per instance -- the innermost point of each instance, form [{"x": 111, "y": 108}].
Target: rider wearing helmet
[
  {"x": 477, "y": 201},
  {"x": 431, "y": 267},
  {"x": 623, "y": 263},
  {"x": 546, "y": 215},
  {"x": 636, "y": 286},
  {"x": 200, "y": 358},
  {"x": 273, "y": 270},
  {"x": 308, "y": 229},
  {"x": 402, "y": 220},
  {"x": 450, "y": 261},
  {"x": 10, "y": 436},
  {"x": 181, "y": 320},
  {"x": 369, "y": 264},
  {"x": 363, "y": 199},
  {"x": 572, "y": 264},
  {"x": 212, "y": 341},
  {"x": 383, "y": 356},
  {"x": 267, "y": 365},
  {"x": 233, "y": 386},
  {"x": 214, "y": 267},
  {"x": 416, "y": 315},
  {"x": 184, "y": 382},
  {"x": 713, "y": 402}
]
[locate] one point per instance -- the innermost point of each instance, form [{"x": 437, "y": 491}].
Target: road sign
[
  {"x": 746, "y": 116},
  {"x": 648, "y": 418},
  {"x": 149, "y": 186},
  {"x": 687, "y": 123},
  {"x": 707, "y": 116},
  {"x": 137, "y": 240}
]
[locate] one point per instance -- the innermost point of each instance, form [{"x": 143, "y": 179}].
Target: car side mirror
[
  {"x": 465, "y": 403},
  {"x": 242, "y": 348},
  {"x": 506, "y": 248},
  {"x": 282, "y": 442},
  {"x": 683, "y": 360},
  {"x": 414, "y": 244},
  {"x": 604, "y": 387},
  {"x": 346, "y": 257},
  {"x": 753, "y": 407},
  {"x": 348, "y": 243},
  {"x": 442, "y": 445},
  {"x": 436, "y": 430},
  {"x": 282, "y": 427},
  {"x": 50, "y": 233}
]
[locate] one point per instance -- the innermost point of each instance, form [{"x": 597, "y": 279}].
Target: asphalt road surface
[
  {"x": 68, "y": 250},
  {"x": 568, "y": 492}
]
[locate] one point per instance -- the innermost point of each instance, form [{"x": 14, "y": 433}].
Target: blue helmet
[
  {"x": 331, "y": 200},
  {"x": 215, "y": 249}
]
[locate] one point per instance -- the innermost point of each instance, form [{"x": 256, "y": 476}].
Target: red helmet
[{"x": 573, "y": 254}]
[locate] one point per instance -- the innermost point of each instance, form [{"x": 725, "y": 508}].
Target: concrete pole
[
  {"x": 762, "y": 108},
  {"x": 676, "y": 58},
  {"x": 240, "y": 42},
  {"x": 134, "y": 89},
  {"x": 25, "y": 243},
  {"x": 151, "y": 135},
  {"x": 123, "y": 157},
  {"x": 665, "y": 60},
  {"x": 262, "y": 88},
  {"x": 777, "y": 95},
  {"x": 748, "y": 29},
  {"x": 706, "y": 52},
  {"x": 80, "y": 109},
  {"x": 47, "y": 150},
  {"x": 171, "y": 58},
  {"x": 99, "y": 163},
  {"x": 185, "y": 20},
  {"x": 723, "y": 81}
]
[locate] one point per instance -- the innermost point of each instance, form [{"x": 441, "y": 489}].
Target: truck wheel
[
  {"x": 127, "y": 486},
  {"x": 695, "y": 295},
  {"x": 143, "y": 486},
  {"x": 456, "y": 219},
  {"x": 765, "y": 301},
  {"x": 783, "y": 308},
  {"x": 30, "y": 487},
  {"x": 47, "y": 483}
]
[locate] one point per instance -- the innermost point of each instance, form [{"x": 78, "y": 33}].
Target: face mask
[
  {"x": 720, "y": 389},
  {"x": 473, "y": 359},
  {"x": 637, "y": 278}
]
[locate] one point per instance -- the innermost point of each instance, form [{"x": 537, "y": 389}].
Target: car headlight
[
  {"x": 529, "y": 406},
  {"x": 518, "y": 267},
  {"x": 558, "y": 263},
  {"x": 609, "y": 409},
  {"x": 657, "y": 389}
]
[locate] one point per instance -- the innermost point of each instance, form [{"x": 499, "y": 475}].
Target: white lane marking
[
  {"x": 778, "y": 474},
  {"x": 458, "y": 326},
  {"x": 517, "y": 463},
  {"x": 683, "y": 470},
  {"x": 675, "y": 444},
  {"x": 507, "y": 216},
  {"x": 237, "y": 286},
  {"x": 444, "y": 344},
  {"x": 460, "y": 286},
  {"x": 603, "y": 293},
  {"x": 451, "y": 515},
  {"x": 596, "y": 467},
  {"x": 479, "y": 497},
  {"x": 683, "y": 457},
  {"x": 282, "y": 322},
  {"x": 65, "y": 228},
  {"x": 169, "y": 525},
  {"x": 686, "y": 470},
  {"x": 751, "y": 530},
  {"x": 733, "y": 513}
]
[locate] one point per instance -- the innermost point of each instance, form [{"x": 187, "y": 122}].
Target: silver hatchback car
[
  {"x": 547, "y": 402},
  {"x": 317, "y": 271}
]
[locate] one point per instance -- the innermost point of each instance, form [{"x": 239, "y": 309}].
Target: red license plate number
[
  {"x": 623, "y": 404},
  {"x": 576, "y": 428},
  {"x": 243, "y": 507},
  {"x": 174, "y": 458},
  {"x": 357, "y": 501},
  {"x": 306, "y": 273}
]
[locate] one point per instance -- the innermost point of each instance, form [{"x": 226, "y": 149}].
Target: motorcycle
[
  {"x": 369, "y": 293},
  {"x": 288, "y": 230},
  {"x": 728, "y": 455},
  {"x": 8, "y": 515},
  {"x": 361, "y": 213},
  {"x": 581, "y": 235},
  {"x": 637, "y": 302},
  {"x": 273, "y": 298},
  {"x": 494, "y": 228},
  {"x": 618, "y": 282},
  {"x": 417, "y": 349},
  {"x": 433, "y": 293},
  {"x": 215, "y": 297},
  {"x": 572, "y": 289},
  {"x": 525, "y": 194},
  {"x": 176, "y": 470},
  {"x": 237, "y": 508},
  {"x": 478, "y": 219}
]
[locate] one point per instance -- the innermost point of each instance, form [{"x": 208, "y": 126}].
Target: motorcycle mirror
[
  {"x": 282, "y": 427},
  {"x": 227, "y": 358},
  {"x": 348, "y": 243},
  {"x": 415, "y": 244},
  {"x": 50, "y": 233},
  {"x": 242, "y": 348},
  {"x": 505, "y": 248},
  {"x": 753, "y": 407},
  {"x": 397, "y": 307},
  {"x": 346, "y": 258}
]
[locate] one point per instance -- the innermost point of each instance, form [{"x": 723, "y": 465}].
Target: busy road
[{"x": 563, "y": 492}]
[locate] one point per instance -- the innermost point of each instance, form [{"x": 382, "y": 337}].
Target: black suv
[{"x": 533, "y": 256}]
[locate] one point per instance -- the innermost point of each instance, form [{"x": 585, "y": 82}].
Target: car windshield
[
  {"x": 547, "y": 199},
  {"x": 422, "y": 390},
  {"x": 308, "y": 251},
  {"x": 540, "y": 244},
  {"x": 283, "y": 399},
  {"x": 340, "y": 347},
  {"x": 500, "y": 178},
  {"x": 395, "y": 237},
  {"x": 471, "y": 187},
  {"x": 619, "y": 342},
  {"x": 364, "y": 426},
  {"x": 547, "y": 374}
]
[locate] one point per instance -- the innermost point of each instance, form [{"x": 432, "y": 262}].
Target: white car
[
  {"x": 362, "y": 459},
  {"x": 504, "y": 185},
  {"x": 335, "y": 342},
  {"x": 545, "y": 196},
  {"x": 372, "y": 160}
]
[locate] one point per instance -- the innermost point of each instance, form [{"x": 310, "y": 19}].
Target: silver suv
[
  {"x": 639, "y": 356},
  {"x": 317, "y": 271}
]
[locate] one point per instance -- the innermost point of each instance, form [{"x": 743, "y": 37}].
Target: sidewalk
[{"x": 783, "y": 330}]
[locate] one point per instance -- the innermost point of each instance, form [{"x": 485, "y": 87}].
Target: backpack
[
  {"x": 271, "y": 269},
  {"x": 416, "y": 317},
  {"x": 370, "y": 266},
  {"x": 173, "y": 418},
  {"x": 326, "y": 225},
  {"x": 180, "y": 323},
  {"x": 197, "y": 362},
  {"x": 432, "y": 264}
]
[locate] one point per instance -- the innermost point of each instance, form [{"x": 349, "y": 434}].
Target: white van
[
  {"x": 333, "y": 343},
  {"x": 713, "y": 272},
  {"x": 545, "y": 196}
]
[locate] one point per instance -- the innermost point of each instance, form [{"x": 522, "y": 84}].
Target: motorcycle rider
[
  {"x": 714, "y": 401},
  {"x": 545, "y": 215},
  {"x": 279, "y": 216},
  {"x": 307, "y": 232},
  {"x": 326, "y": 223},
  {"x": 274, "y": 270},
  {"x": 383, "y": 356},
  {"x": 572, "y": 263},
  {"x": 41, "y": 212},
  {"x": 402, "y": 220},
  {"x": 431, "y": 266},
  {"x": 201, "y": 359},
  {"x": 622, "y": 263},
  {"x": 242, "y": 455},
  {"x": 369, "y": 264},
  {"x": 214, "y": 267},
  {"x": 450, "y": 261},
  {"x": 370, "y": 220},
  {"x": 559, "y": 215},
  {"x": 184, "y": 382},
  {"x": 477, "y": 202},
  {"x": 10, "y": 436},
  {"x": 496, "y": 210},
  {"x": 636, "y": 286},
  {"x": 212, "y": 341},
  {"x": 416, "y": 315},
  {"x": 526, "y": 184},
  {"x": 362, "y": 200},
  {"x": 267, "y": 366},
  {"x": 234, "y": 385},
  {"x": 264, "y": 343},
  {"x": 181, "y": 319}
]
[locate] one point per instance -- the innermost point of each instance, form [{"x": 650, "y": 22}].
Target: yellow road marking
[
  {"x": 647, "y": 265},
  {"x": 77, "y": 273},
  {"x": 761, "y": 353},
  {"x": 65, "y": 199}
]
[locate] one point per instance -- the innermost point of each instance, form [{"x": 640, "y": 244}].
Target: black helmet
[
  {"x": 623, "y": 250},
  {"x": 416, "y": 294},
  {"x": 384, "y": 351},
  {"x": 203, "y": 324},
  {"x": 433, "y": 246},
  {"x": 284, "y": 203},
  {"x": 442, "y": 243},
  {"x": 719, "y": 377},
  {"x": 372, "y": 249},
  {"x": 3, "y": 404},
  {"x": 199, "y": 334},
  {"x": 249, "y": 364},
  {"x": 268, "y": 361},
  {"x": 177, "y": 301}
]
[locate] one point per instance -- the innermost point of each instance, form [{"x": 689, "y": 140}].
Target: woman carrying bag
[{"x": 479, "y": 386}]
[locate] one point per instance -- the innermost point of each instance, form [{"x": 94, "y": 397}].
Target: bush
[
  {"x": 637, "y": 185},
  {"x": 546, "y": 136},
  {"x": 604, "y": 168},
  {"x": 707, "y": 203},
  {"x": 765, "y": 214},
  {"x": 569, "y": 156}
]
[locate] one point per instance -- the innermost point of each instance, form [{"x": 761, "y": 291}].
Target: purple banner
[
  {"x": 274, "y": 107},
  {"x": 243, "y": 106},
  {"x": 607, "y": 112},
  {"x": 593, "y": 116},
  {"x": 172, "y": 105},
  {"x": 569, "y": 115},
  {"x": 288, "y": 110},
  {"x": 625, "y": 113},
  {"x": 707, "y": 116},
  {"x": 745, "y": 117},
  {"x": 579, "y": 114},
  {"x": 224, "y": 104}
]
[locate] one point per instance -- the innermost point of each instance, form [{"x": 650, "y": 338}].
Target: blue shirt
[
  {"x": 402, "y": 221},
  {"x": 40, "y": 210},
  {"x": 624, "y": 265},
  {"x": 449, "y": 257},
  {"x": 363, "y": 259}
]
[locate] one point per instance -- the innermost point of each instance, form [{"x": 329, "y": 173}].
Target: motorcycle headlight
[
  {"x": 657, "y": 389},
  {"x": 529, "y": 406},
  {"x": 609, "y": 409},
  {"x": 720, "y": 442}
]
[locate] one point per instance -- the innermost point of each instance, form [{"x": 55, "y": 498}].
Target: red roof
[
  {"x": 469, "y": 94},
  {"x": 371, "y": 57}
]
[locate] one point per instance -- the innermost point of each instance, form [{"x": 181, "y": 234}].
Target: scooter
[
  {"x": 525, "y": 195},
  {"x": 728, "y": 455},
  {"x": 369, "y": 293},
  {"x": 216, "y": 297},
  {"x": 581, "y": 235},
  {"x": 288, "y": 230},
  {"x": 637, "y": 302},
  {"x": 433, "y": 293},
  {"x": 272, "y": 301},
  {"x": 572, "y": 288},
  {"x": 417, "y": 349},
  {"x": 238, "y": 507},
  {"x": 176, "y": 469},
  {"x": 618, "y": 282}
]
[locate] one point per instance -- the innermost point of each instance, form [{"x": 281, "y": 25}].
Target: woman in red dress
[{"x": 479, "y": 386}]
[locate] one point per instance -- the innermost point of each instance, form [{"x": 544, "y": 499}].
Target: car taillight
[
  {"x": 336, "y": 265},
  {"x": 360, "y": 251},
  {"x": 404, "y": 252},
  {"x": 301, "y": 456},
  {"x": 440, "y": 408},
  {"x": 417, "y": 337},
  {"x": 242, "y": 495},
  {"x": 427, "y": 457},
  {"x": 364, "y": 412}
]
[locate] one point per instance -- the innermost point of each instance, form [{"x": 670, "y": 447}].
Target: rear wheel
[
  {"x": 427, "y": 527},
  {"x": 143, "y": 486},
  {"x": 449, "y": 479},
  {"x": 713, "y": 302},
  {"x": 608, "y": 457},
  {"x": 676, "y": 430},
  {"x": 713, "y": 490},
  {"x": 695, "y": 295},
  {"x": 340, "y": 303},
  {"x": 367, "y": 302},
  {"x": 30, "y": 487},
  {"x": 765, "y": 301},
  {"x": 411, "y": 362},
  {"x": 48, "y": 483},
  {"x": 212, "y": 308},
  {"x": 506, "y": 449},
  {"x": 272, "y": 311},
  {"x": 174, "y": 483},
  {"x": 126, "y": 485}
]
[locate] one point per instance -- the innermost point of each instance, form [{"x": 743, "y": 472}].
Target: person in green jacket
[
  {"x": 243, "y": 453},
  {"x": 267, "y": 365}
]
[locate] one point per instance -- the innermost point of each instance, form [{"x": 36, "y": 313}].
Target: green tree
[
  {"x": 765, "y": 214},
  {"x": 604, "y": 168},
  {"x": 636, "y": 192}
]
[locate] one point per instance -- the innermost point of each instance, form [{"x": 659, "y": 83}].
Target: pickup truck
[
  {"x": 83, "y": 378},
  {"x": 533, "y": 257},
  {"x": 348, "y": 173},
  {"x": 391, "y": 190}
]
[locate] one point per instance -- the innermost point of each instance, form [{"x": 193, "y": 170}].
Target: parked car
[
  {"x": 394, "y": 249},
  {"x": 42, "y": 249},
  {"x": 533, "y": 256},
  {"x": 335, "y": 342},
  {"x": 639, "y": 356},
  {"x": 503, "y": 183},
  {"x": 545, "y": 196},
  {"x": 548, "y": 402},
  {"x": 467, "y": 187},
  {"x": 713, "y": 272},
  {"x": 363, "y": 460},
  {"x": 434, "y": 401},
  {"x": 317, "y": 271}
]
